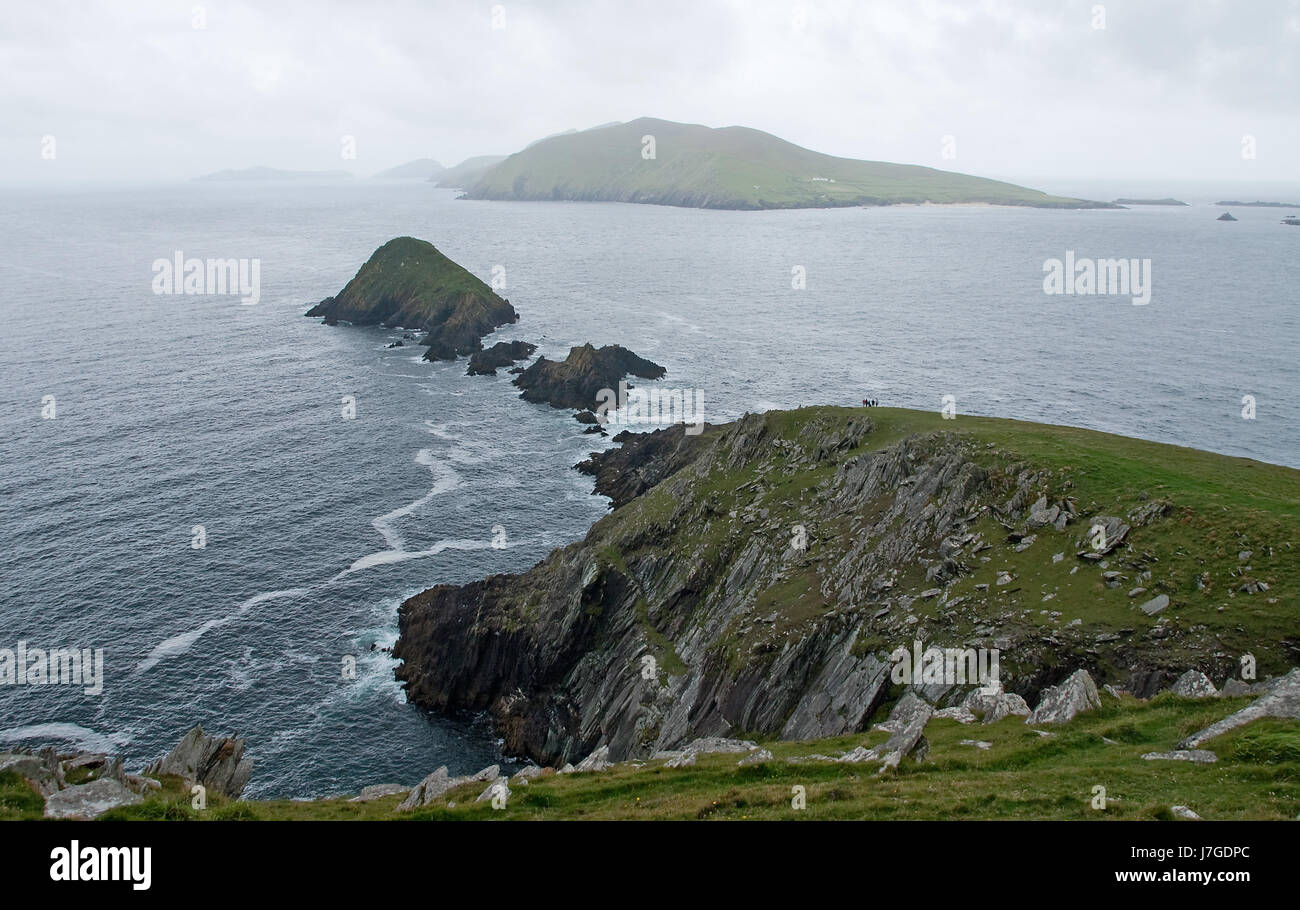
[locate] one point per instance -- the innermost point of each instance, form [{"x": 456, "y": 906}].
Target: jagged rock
[
  {"x": 1194, "y": 684},
  {"x": 87, "y": 801},
  {"x": 532, "y": 772},
  {"x": 961, "y": 714},
  {"x": 1184, "y": 813},
  {"x": 498, "y": 788},
  {"x": 1281, "y": 698},
  {"x": 1199, "y": 756},
  {"x": 501, "y": 354},
  {"x": 681, "y": 760},
  {"x": 576, "y": 381},
  {"x": 992, "y": 704},
  {"x": 709, "y": 745},
  {"x": 1059, "y": 704},
  {"x": 379, "y": 791},
  {"x": 755, "y": 758},
  {"x": 908, "y": 718},
  {"x": 596, "y": 761},
  {"x": 1237, "y": 687},
  {"x": 1155, "y": 604},
  {"x": 434, "y": 785},
  {"x": 141, "y": 785},
  {"x": 218, "y": 763},
  {"x": 491, "y": 772},
  {"x": 42, "y": 768}
]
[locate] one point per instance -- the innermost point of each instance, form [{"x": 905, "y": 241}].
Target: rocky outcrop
[
  {"x": 758, "y": 577},
  {"x": 501, "y": 354},
  {"x": 409, "y": 283},
  {"x": 576, "y": 381},
  {"x": 1194, "y": 684},
  {"x": 88, "y": 801},
  {"x": 1061, "y": 703},
  {"x": 216, "y": 762},
  {"x": 907, "y": 721},
  {"x": 1281, "y": 698},
  {"x": 439, "y": 782}
]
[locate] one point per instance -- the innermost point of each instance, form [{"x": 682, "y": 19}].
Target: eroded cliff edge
[{"x": 754, "y": 579}]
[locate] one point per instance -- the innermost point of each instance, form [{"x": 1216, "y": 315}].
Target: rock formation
[
  {"x": 501, "y": 354},
  {"x": 408, "y": 283},
  {"x": 218, "y": 763},
  {"x": 576, "y": 381}
]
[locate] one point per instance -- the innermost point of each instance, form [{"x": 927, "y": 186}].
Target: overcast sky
[{"x": 1167, "y": 89}]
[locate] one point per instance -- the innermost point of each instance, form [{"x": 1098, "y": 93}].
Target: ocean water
[{"x": 181, "y": 411}]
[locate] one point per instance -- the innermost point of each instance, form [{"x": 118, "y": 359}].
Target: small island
[
  {"x": 408, "y": 283},
  {"x": 1226, "y": 216},
  {"x": 1262, "y": 205},
  {"x": 576, "y": 381}
]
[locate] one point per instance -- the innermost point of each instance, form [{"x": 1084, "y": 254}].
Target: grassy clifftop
[{"x": 729, "y": 168}]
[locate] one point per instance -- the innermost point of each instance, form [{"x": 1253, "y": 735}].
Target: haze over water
[{"x": 178, "y": 411}]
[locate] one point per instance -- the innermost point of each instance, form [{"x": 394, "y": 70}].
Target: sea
[{"x": 231, "y": 500}]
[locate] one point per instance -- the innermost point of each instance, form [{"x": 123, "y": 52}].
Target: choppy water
[{"x": 177, "y": 411}]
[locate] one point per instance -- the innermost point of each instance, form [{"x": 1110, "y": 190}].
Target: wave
[
  {"x": 84, "y": 738},
  {"x": 179, "y": 644}
]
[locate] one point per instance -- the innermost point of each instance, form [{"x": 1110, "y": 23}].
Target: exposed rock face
[
  {"x": 90, "y": 800},
  {"x": 576, "y": 381},
  {"x": 1194, "y": 684},
  {"x": 758, "y": 577},
  {"x": 501, "y": 354},
  {"x": 1281, "y": 698},
  {"x": 1197, "y": 756},
  {"x": 439, "y": 782},
  {"x": 907, "y": 720},
  {"x": 1061, "y": 703},
  {"x": 218, "y": 763},
  {"x": 563, "y": 676},
  {"x": 407, "y": 282}
]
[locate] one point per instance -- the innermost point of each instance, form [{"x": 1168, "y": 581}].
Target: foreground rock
[
  {"x": 216, "y": 762},
  {"x": 1281, "y": 699},
  {"x": 1061, "y": 703},
  {"x": 88, "y": 801},
  {"x": 408, "y": 283},
  {"x": 1196, "y": 756},
  {"x": 501, "y": 354},
  {"x": 576, "y": 381},
  {"x": 439, "y": 782},
  {"x": 992, "y": 704},
  {"x": 1194, "y": 684},
  {"x": 907, "y": 720}
]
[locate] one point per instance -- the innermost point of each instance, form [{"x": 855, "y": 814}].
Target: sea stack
[{"x": 408, "y": 283}]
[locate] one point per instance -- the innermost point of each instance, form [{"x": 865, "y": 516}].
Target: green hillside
[{"x": 729, "y": 168}]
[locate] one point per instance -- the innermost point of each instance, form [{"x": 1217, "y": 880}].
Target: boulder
[
  {"x": 41, "y": 768},
  {"x": 87, "y": 801},
  {"x": 596, "y": 761},
  {"x": 1059, "y": 704},
  {"x": 1198, "y": 756},
  {"x": 218, "y": 763},
  {"x": 498, "y": 786},
  {"x": 1281, "y": 698},
  {"x": 993, "y": 704},
  {"x": 1194, "y": 684},
  {"x": 379, "y": 791},
  {"x": 908, "y": 718},
  {"x": 1155, "y": 604}
]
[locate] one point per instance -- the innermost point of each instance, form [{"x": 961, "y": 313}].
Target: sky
[{"x": 1174, "y": 90}]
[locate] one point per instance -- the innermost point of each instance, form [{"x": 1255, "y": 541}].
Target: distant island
[
  {"x": 419, "y": 169},
  {"x": 666, "y": 163},
  {"x": 272, "y": 173},
  {"x": 1149, "y": 202},
  {"x": 408, "y": 283},
  {"x": 1262, "y": 205},
  {"x": 468, "y": 172}
]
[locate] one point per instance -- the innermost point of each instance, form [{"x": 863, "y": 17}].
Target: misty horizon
[{"x": 1168, "y": 95}]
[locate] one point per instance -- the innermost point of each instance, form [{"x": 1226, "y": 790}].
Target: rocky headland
[
  {"x": 501, "y": 354},
  {"x": 409, "y": 283},
  {"x": 758, "y": 577}
]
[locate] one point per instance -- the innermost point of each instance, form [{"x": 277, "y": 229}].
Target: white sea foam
[
  {"x": 179, "y": 644},
  {"x": 86, "y": 739}
]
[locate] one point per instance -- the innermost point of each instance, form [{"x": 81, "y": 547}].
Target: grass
[{"x": 1021, "y": 776}]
